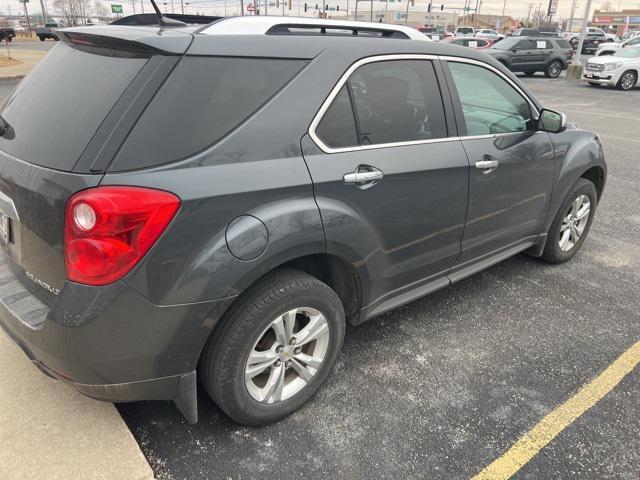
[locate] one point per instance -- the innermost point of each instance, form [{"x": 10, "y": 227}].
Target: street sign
[
  {"x": 250, "y": 8},
  {"x": 115, "y": 8},
  {"x": 553, "y": 8}
]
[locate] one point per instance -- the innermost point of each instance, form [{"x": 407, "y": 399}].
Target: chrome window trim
[{"x": 382, "y": 58}]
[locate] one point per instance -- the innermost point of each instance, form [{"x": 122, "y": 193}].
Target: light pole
[{"x": 574, "y": 72}]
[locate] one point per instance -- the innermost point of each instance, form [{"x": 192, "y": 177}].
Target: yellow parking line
[{"x": 535, "y": 439}]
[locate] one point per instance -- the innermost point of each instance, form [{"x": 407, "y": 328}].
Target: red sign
[{"x": 250, "y": 7}]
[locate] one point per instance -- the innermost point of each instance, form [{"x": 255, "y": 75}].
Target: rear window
[
  {"x": 465, "y": 29},
  {"x": 58, "y": 107},
  {"x": 203, "y": 100}
]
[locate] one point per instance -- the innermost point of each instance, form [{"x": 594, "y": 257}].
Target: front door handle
[
  {"x": 364, "y": 176},
  {"x": 487, "y": 164}
]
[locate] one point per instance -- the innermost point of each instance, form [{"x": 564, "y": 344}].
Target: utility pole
[
  {"x": 26, "y": 14},
  {"x": 573, "y": 11},
  {"x": 406, "y": 13},
  {"x": 355, "y": 14},
  {"x": 142, "y": 6},
  {"x": 529, "y": 14},
  {"x": 44, "y": 12},
  {"x": 583, "y": 30}
]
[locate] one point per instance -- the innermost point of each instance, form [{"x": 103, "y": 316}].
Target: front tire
[
  {"x": 274, "y": 348},
  {"x": 571, "y": 225},
  {"x": 627, "y": 80}
]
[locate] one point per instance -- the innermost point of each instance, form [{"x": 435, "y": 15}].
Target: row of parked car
[{"x": 617, "y": 63}]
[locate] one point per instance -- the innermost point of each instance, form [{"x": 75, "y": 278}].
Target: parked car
[
  {"x": 537, "y": 32},
  {"x": 464, "y": 32},
  {"x": 48, "y": 31},
  {"x": 630, "y": 34},
  {"x": 592, "y": 33},
  {"x": 612, "y": 48},
  {"x": 550, "y": 55},
  {"x": 621, "y": 70},
  {"x": 7, "y": 34},
  {"x": 473, "y": 42},
  {"x": 435, "y": 33},
  {"x": 490, "y": 34},
  {"x": 140, "y": 252}
]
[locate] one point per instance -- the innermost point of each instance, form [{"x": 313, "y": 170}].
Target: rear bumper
[{"x": 112, "y": 344}]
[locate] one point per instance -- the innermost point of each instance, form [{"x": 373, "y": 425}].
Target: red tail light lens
[{"x": 109, "y": 229}]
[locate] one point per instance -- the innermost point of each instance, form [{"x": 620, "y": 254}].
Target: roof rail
[
  {"x": 338, "y": 30},
  {"x": 267, "y": 25},
  {"x": 152, "y": 19}
]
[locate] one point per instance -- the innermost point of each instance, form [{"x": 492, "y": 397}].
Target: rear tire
[
  {"x": 41, "y": 38},
  {"x": 562, "y": 246},
  {"x": 247, "y": 341},
  {"x": 627, "y": 80},
  {"x": 554, "y": 69},
  {"x": 529, "y": 74}
]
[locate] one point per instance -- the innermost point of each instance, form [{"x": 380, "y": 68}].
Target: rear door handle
[
  {"x": 487, "y": 164},
  {"x": 364, "y": 176}
]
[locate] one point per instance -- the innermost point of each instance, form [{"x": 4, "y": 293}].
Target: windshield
[
  {"x": 629, "y": 53},
  {"x": 506, "y": 44}
]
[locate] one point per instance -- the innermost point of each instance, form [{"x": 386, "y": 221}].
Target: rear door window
[
  {"x": 202, "y": 101},
  {"x": 58, "y": 107},
  {"x": 394, "y": 101}
]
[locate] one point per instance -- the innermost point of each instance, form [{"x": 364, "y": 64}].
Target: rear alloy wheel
[
  {"x": 572, "y": 222},
  {"x": 627, "y": 80},
  {"x": 273, "y": 348},
  {"x": 554, "y": 69}
]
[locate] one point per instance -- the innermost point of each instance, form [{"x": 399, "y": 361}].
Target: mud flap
[{"x": 187, "y": 397}]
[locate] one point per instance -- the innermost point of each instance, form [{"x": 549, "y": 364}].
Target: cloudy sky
[{"x": 517, "y": 8}]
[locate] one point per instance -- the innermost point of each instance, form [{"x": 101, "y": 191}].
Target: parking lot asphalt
[{"x": 443, "y": 386}]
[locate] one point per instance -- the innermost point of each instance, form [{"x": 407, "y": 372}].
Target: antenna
[{"x": 164, "y": 21}]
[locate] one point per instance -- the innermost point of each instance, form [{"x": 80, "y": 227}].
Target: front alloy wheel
[
  {"x": 574, "y": 223},
  {"x": 287, "y": 354},
  {"x": 571, "y": 224},
  {"x": 627, "y": 81}
]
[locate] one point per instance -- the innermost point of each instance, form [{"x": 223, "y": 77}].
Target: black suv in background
[
  {"x": 550, "y": 55},
  {"x": 224, "y": 198}
]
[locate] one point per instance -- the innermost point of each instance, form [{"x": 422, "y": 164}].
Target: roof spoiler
[{"x": 153, "y": 19}]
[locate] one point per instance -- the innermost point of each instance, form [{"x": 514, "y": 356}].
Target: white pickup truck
[{"x": 592, "y": 32}]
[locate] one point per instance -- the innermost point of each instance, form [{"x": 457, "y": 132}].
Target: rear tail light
[
  {"x": 570, "y": 52},
  {"x": 109, "y": 229}
]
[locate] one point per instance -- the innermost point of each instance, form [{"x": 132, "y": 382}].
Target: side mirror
[{"x": 553, "y": 122}]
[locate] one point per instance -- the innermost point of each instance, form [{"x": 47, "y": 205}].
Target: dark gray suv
[
  {"x": 218, "y": 201},
  {"x": 550, "y": 55}
]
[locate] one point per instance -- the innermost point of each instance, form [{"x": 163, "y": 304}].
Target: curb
[{"x": 12, "y": 77}]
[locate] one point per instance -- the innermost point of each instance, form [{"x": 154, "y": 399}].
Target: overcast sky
[{"x": 517, "y": 8}]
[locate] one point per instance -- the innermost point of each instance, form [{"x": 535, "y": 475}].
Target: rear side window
[
  {"x": 203, "y": 100},
  {"x": 394, "y": 101},
  {"x": 58, "y": 107},
  {"x": 563, "y": 44},
  {"x": 338, "y": 128}
]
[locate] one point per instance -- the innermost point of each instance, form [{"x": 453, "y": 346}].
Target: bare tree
[
  {"x": 607, "y": 6},
  {"x": 100, "y": 10},
  {"x": 74, "y": 12}
]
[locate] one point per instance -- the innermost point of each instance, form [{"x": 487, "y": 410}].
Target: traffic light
[
  {"x": 326, "y": 7},
  {"x": 337, "y": 8},
  {"x": 316, "y": 6},
  {"x": 442, "y": 7},
  {"x": 305, "y": 7},
  {"x": 429, "y": 8},
  {"x": 413, "y": 3},
  {"x": 277, "y": 3},
  {"x": 289, "y": 4}
]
